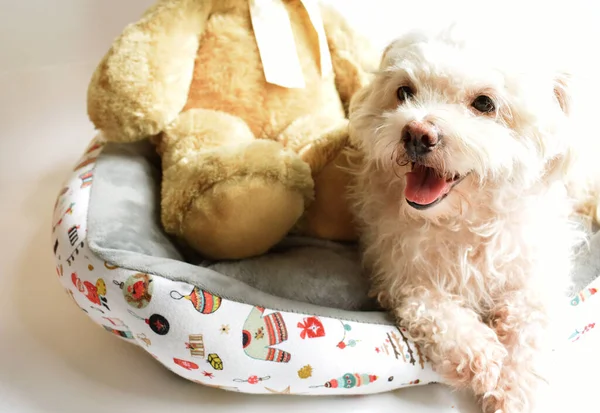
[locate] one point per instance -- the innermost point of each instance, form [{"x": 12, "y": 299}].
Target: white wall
[{"x": 41, "y": 33}]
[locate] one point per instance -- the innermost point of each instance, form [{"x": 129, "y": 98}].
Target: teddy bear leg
[{"x": 227, "y": 194}]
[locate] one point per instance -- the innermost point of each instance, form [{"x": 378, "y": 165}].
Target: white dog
[{"x": 471, "y": 169}]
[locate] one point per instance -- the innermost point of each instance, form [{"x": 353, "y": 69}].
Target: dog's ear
[
  {"x": 562, "y": 85},
  {"x": 394, "y": 49},
  {"x": 385, "y": 54},
  {"x": 388, "y": 53}
]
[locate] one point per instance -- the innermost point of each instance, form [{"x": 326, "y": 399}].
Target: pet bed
[{"x": 295, "y": 321}]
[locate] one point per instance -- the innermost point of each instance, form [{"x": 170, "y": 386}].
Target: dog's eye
[
  {"x": 404, "y": 92},
  {"x": 484, "y": 104}
]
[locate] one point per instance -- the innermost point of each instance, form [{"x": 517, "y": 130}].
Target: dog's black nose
[{"x": 419, "y": 138}]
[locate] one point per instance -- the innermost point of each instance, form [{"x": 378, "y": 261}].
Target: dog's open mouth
[{"x": 426, "y": 188}]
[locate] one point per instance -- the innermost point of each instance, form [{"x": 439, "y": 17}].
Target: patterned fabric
[
  {"x": 261, "y": 333},
  {"x": 234, "y": 346},
  {"x": 203, "y": 302}
]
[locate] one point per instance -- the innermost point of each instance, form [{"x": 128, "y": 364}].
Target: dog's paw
[
  {"x": 477, "y": 366},
  {"x": 516, "y": 391},
  {"x": 501, "y": 402},
  {"x": 486, "y": 367}
]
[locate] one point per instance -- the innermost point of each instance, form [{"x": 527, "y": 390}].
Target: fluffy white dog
[{"x": 472, "y": 165}]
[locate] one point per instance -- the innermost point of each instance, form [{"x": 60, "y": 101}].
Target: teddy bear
[{"x": 246, "y": 102}]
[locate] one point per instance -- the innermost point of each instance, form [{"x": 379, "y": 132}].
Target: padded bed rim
[{"x": 291, "y": 350}]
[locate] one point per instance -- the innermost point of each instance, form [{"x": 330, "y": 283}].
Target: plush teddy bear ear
[{"x": 562, "y": 86}]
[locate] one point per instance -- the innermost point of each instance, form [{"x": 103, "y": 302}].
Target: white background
[{"x": 52, "y": 359}]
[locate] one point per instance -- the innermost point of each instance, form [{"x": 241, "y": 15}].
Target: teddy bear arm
[
  {"x": 321, "y": 141},
  {"x": 353, "y": 58},
  {"x": 317, "y": 138},
  {"x": 142, "y": 83}
]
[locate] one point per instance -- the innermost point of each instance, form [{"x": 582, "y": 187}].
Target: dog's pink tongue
[{"x": 423, "y": 186}]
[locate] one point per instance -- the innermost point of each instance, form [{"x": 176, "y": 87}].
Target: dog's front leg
[
  {"x": 521, "y": 325},
  {"x": 462, "y": 349}
]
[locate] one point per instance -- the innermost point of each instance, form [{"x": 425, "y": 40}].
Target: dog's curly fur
[{"x": 476, "y": 278}]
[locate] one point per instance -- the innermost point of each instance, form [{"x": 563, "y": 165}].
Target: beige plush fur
[{"x": 240, "y": 156}]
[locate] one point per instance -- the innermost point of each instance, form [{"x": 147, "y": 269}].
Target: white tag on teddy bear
[
  {"x": 314, "y": 13},
  {"x": 276, "y": 45}
]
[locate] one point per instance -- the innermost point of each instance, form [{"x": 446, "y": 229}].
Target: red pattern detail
[
  {"x": 585, "y": 330},
  {"x": 208, "y": 301},
  {"x": 158, "y": 325},
  {"x": 270, "y": 333},
  {"x": 137, "y": 290},
  {"x": 277, "y": 356},
  {"x": 188, "y": 365},
  {"x": 86, "y": 288},
  {"x": 311, "y": 327},
  {"x": 276, "y": 328}
]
